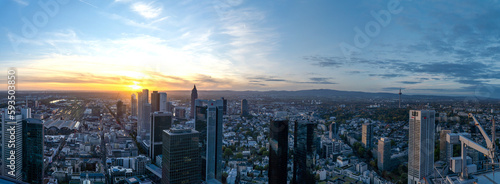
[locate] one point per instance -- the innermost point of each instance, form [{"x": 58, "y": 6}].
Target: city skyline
[{"x": 424, "y": 48}]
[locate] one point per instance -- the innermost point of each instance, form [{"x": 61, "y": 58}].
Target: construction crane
[{"x": 466, "y": 142}]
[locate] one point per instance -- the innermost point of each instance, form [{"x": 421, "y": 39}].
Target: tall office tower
[
  {"x": 155, "y": 101},
  {"x": 194, "y": 96},
  {"x": 159, "y": 121},
  {"x": 400, "y": 97},
  {"x": 224, "y": 106},
  {"x": 12, "y": 146},
  {"x": 443, "y": 145},
  {"x": 244, "y": 107},
  {"x": 32, "y": 150},
  {"x": 333, "y": 130},
  {"x": 26, "y": 113},
  {"x": 119, "y": 110},
  {"x": 145, "y": 96},
  {"x": 146, "y": 125},
  {"x": 163, "y": 102},
  {"x": 305, "y": 152},
  {"x": 384, "y": 154},
  {"x": 421, "y": 145},
  {"x": 181, "y": 158},
  {"x": 139, "y": 107},
  {"x": 367, "y": 135},
  {"x": 208, "y": 121},
  {"x": 278, "y": 151},
  {"x": 133, "y": 105},
  {"x": 200, "y": 124}
]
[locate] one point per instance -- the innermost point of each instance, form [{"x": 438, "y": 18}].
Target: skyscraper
[
  {"x": 367, "y": 135},
  {"x": 333, "y": 130},
  {"x": 180, "y": 162},
  {"x": 145, "y": 122},
  {"x": 194, "y": 96},
  {"x": 133, "y": 105},
  {"x": 278, "y": 151},
  {"x": 119, "y": 109},
  {"x": 12, "y": 146},
  {"x": 163, "y": 102},
  {"x": 384, "y": 154},
  {"x": 421, "y": 145},
  {"x": 305, "y": 152},
  {"x": 140, "y": 103},
  {"x": 32, "y": 150},
  {"x": 244, "y": 107},
  {"x": 159, "y": 121},
  {"x": 155, "y": 101},
  {"x": 224, "y": 106},
  {"x": 443, "y": 147},
  {"x": 209, "y": 120}
]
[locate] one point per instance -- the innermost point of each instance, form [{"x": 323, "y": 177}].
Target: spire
[{"x": 194, "y": 88}]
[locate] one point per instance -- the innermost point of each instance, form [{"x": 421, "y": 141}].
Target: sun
[{"x": 135, "y": 86}]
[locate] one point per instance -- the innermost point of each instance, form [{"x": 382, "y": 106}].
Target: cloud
[
  {"x": 392, "y": 89},
  {"x": 324, "y": 61},
  {"x": 409, "y": 82},
  {"x": 147, "y": 10},
  {"x": 387, "y": 76},
  {"x": 21, "y": 2},
  {"x": 133, "y": 23}
]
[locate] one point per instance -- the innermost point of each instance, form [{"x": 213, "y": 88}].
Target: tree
[
  {"x": 265, "y": 153},
  {"x": 224, "y": 177},
  {"x": 239, "y": 155},
  {"x": 228, "y": 152}
]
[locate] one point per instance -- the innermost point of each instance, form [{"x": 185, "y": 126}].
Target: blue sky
[{"x": 425, "y": 47}]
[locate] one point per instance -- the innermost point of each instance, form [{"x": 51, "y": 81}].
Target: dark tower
[
  {"x": 244, "y": 107},
  {"x": 400, "y": 97},
  {"x": 194, "y": 96},
  {"x": 304, "y": 152},
  {"x": 278, "y": 151},
  {"x": 155, "y": 101},
  {"x": 119, "y": 109},
  {"x": 32, "y": 150}
]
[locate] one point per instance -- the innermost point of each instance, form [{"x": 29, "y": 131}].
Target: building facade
[
  {"x": 180, "y": 162},
  {"x": 367, "y": 135},
  {"x": 384, "y": 154},
  {"x": 278, "y": 151},
  {"x": 159, "y": 121},
  {"x": 421, "y": 145},
  {"x": 304, "y": 152}
]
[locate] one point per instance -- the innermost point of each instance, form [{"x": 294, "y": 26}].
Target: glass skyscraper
[
  {"x": 278, "y": 151},
  {"x": 32, "y": 171},
  {"x": 159, "y": 121},
  {"x": 180, "y": 161},
  {"x": 304, "y": 152}
]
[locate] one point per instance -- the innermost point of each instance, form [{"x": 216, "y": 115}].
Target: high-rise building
[
  {"x": 443, "y": 145},
  {"x": 244, "y": 107},
  {"x": 305, "y": 152},
  {"x": 367, "y": 135},
  {"x": 384, "y": 154},
  {"x": 421, "y": 145},
  {"x": 12, "y": 146},
  {"x": 278, "y": 151},
  {"x": 163, "y": 102},
  {"x": 119, "y": 109},
  {"x": 133, "y": 105},
  {"x": 140, "y": 103},
  {"x": 208, "y": 121},
  {"x": 155, "y": 101},
  {"x": 145, "y": 121},
  {"x": 159, "y": 121},
  {"x": 181, "y": 159},
  {"x": 33, "y": 136},
  {"x": 194, "y": 96},
  {"x": 224, "y": 106},
  {"x": 139, "y": 164},
  {"x": 333, "y": 130}
]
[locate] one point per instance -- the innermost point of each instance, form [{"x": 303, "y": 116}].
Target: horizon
[{"x": 422, "y": 47}]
